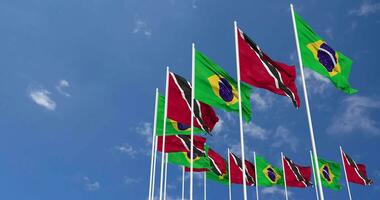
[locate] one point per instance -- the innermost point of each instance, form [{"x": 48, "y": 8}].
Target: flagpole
[
  {"x": 204, "y": 186},
  {"x": 154, "y": 167},
  {"x": 229, "y": 175},
  {"x": 163, "y": 132},
  {"x": 283, "y": 169},
  {"x": 183, "y": 183},
  {"x": 314, "y": 148},
  {"x": 240, "y": 111},
  {"x": 153, "y": 144},
  {"x": 345, "y": 173},
  {"x": 314, "y": 174},
  {"x": 166, "y": 174},
  {"x": 192, "y": 118},
  {"x": 257, "y": 183}
]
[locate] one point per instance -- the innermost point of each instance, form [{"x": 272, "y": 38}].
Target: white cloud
[
  {"x": 194, "y": 4},
  {"x": 218, "y": 127},
  {"x": 275, "y": 191},
  {"x": 41, "y": 97},
  {"x": 255, "y": 131},
  {"x": 62, "y": 84},
  {"x": 355, "y": 114},
  {"x": 91, "y": 185},
  {"x": 329, "y": 33},
  {"x": 262, "y": 101},
  {"x": 316, "y": 83},
  {"x": 127, "y": 149},
  {"x": 366, "y": 8},
  {"x": 142, "y": 27},
  {"x": 145, "y": 129},
  {"x": 284, "y": 137},
  {"x": 129, "y": 180}
]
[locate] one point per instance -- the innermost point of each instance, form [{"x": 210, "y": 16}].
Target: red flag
[
  {"x": 259, "y": 70},
  {"x": 217, "y": 164},
  {"x": 187, "y": 169},
  {"x": 356, "y": 173},
  {"x": 296, "y": 175},
  {"x": 236, "y": 169},
  {"x": 179, "y": 105},
  {"x": 182, "y": 143}
]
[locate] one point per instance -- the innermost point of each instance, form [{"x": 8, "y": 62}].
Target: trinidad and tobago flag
[
  {"x": 296, "y": 175},
  {"x": 179, "y": 105},
  {"x": 356, "y": 173},
  {"x": 182, "y": 143},
  {"x": 259, "y": 70},
  {"x": 217, "y": 165},
  {"x": 236, "y": 169}
]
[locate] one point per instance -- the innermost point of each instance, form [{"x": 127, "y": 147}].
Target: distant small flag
[
  {"x": 320, "y": 57},
  {"x": 181, "y": 143},
  {"x": 236, "y": 168},
  {"x": 356, "y": 173},
  {"x": 200, "y": 159},
  {"x": 259, "y": 70},
  {"x": 179, "y": 105},
  {"x": 267, "y": 175},
  {"x": 330, "y": 174},
  {"x": 217, "y": 88},
  {"x": 296, "y": 175}
]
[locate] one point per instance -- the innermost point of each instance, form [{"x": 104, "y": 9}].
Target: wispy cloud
[
  {"x": 284, "y": 137},
  {"x": 219, "y": 126},
  {"x": 194, "y": 4},
  {"x": 142, "y": 27},
  {"x": 262, "y": 100},
  {"x": 356, "y": 115},
  {"x": 130, "y": 180},
  {"x": 256, "y": 131},
  {"x": 145, "y": 129},
  {"x": 316, "y": 83},
  {"x": 275, "y": 191},
  {"x": 62, "y": 85},
  {"x": 366, "y": 8},
  {"x": 127, "y": 149},
  {"x": 91, "y": 185},
  {"x": 329, "y": 33},
  {"x": 42, "y": 98}
]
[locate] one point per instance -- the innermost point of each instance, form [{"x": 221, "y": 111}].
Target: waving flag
[
  {"x": 267, "y": 175},
  {"x": 179, "y": 105},
  {"x": 172, "y": 127},
  {"x": 330, "y": 174},
  {"x": 181, "y": 143},
  {"x": 296, "y": 175},
  {"x": 259, "y": 70},
  {"x": 217, "y": 88},
  {"x": 320, "y": 57},
  {"x": 218, "y": 168},
  {"x": 200, "y": 159},
  {"x": 236, "y": 168},
  {"x": 356, "y": 173}
]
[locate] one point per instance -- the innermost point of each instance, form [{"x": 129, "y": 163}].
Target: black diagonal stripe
[
  {"x": 239, "y": 163},
  {"x": 185, "y": 88},
  {"x": 272, "y": 69},
  {"x": 186, "y": 140},
  {"x": 215, "y": 168},
  {"x": 351, "y": 162},
  {"x": 296, "y": 171}
]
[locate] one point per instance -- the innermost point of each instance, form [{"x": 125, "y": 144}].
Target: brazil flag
[
  {"x": 200, "y": 160},
  {"x": 267, "y": 175},
  {"x": 318, "y": 56},
  {"x": 172, "y": 127},
  {"x": 330, "y": 174},
  {"x": 215, "y": 87}
]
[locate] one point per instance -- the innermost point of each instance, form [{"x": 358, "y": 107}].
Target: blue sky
[{"x": 78, "y": 78}]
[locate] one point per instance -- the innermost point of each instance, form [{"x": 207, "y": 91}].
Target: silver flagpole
[
  {"x": 204, "y": 186},
  {"x": 183, "y": 183},
  {"x": 314, "y": 175},
  {"x": 229, "y": 176},
  {"x": 164, "y": 133},
  {"x": 345, "y": 173},
  {"x": 257, "y": 183},
  {"x": 314, "y": 148},
  {"x": 283, "y": 169},
  {"x": 192, "y": 118},
  {"x": 153, "y": 145},
  {"x": 240, "y": 112},
  {"x": 154, "y": 167},
  {"x": 166, "y": 174}
]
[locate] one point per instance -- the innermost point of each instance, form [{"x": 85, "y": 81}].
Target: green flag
[
  {"x": 216, "y": 88},
  {"x": 183, "y": 158},
  {"x": 330, "y": 174},
  {"x": 219, "y": 179},
  {"x": 267, "y": 175},
  {"x": 172, "y": 127},
  {"x": 323, "y": 59}
]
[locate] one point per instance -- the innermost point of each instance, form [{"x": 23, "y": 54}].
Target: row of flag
[{"x": 188, "y": 108}]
